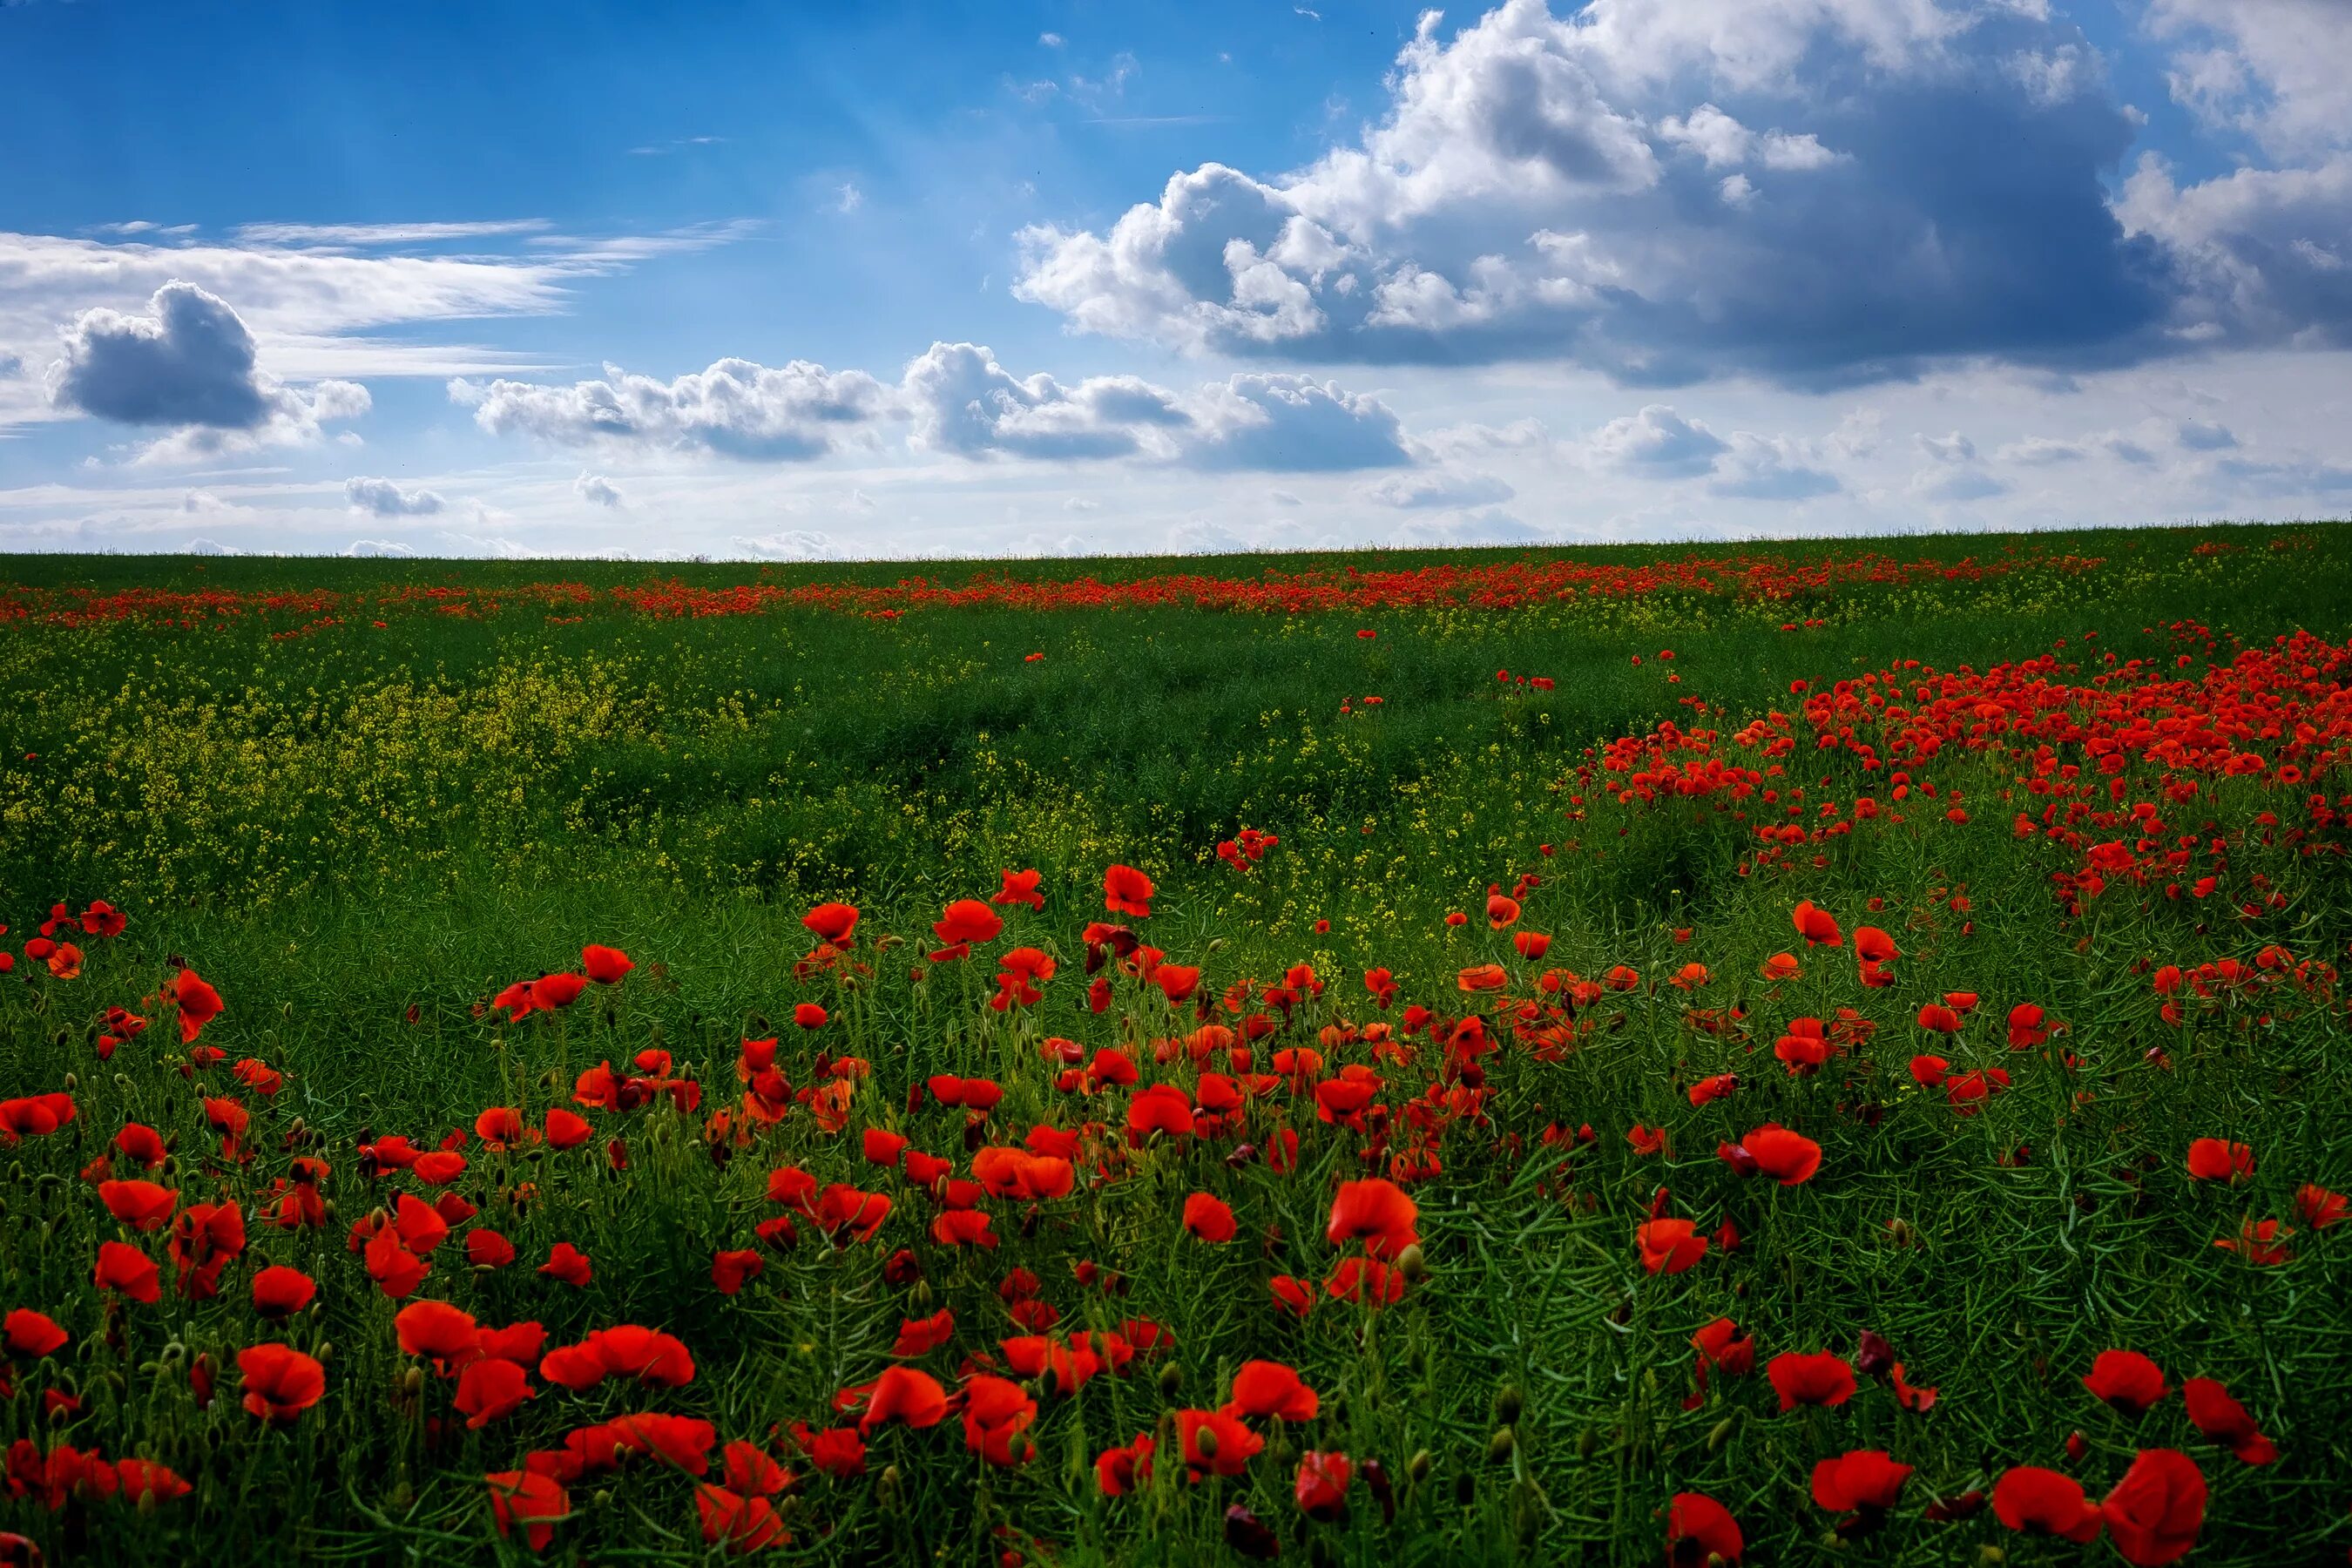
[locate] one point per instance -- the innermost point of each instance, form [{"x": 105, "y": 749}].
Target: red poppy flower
[
  {"x": 1177, "y": 982},
  {"x": 31, "y": 1334},
  {"x": 2318, "y": 1207},
  {"x": 1128, "y": 891},
  {"x": 2026, "y": 1026},
  {"x": 1940, "y": 1019},
  {"x": 420, "y": 1225},
  {"x": 1119, "y": 1471},
  {"x": 535, "y": 1502},
  {"x": 1208, "y": 1218},
  {"x": 731, "y": 1269},
  {"x": 2156, "y": 1511},
  {"x": 832, "y": 923},
  {"x": 1322, "y": 1485},
  {"x": 142, "y": 1143},
  {"x": 1788, "y": 1157},
  {"x": 967, "y": 921},
  {"x": 680, "y": 1441},
  {"x": 1817, "y": 925},
  {"x": 1700, "y": 1530},
  {"x": 1669, "y": 1246},
  {"x": 280, "y": 1383},
  {"x": 839, "y": 1451},
  {"x": 1379, "y": 1212},
  {"x": 438, "y": 1330},
  {"x": 143, "y": 1478},
  {"x": 489, "y": 1389},
  {"x": 2261, "y": 1241},
  {"x": 566, "y": 1129},
  {"x": 744, "y": 1523},
  {"x": 568, "y": 1263},
  {"x": 1020, "y": 888},
  {"x": 903, "y": 1395},
  {"x": 142, "y": 1206},
  {"x": 1821, "y": 1378},
  {"x": 1216, "y": 1444},
  {"x": 552, "y": 992},
  {"x": 2222, "y": 1418},
  {"x": 280, "y": 1292},
  {"x": 1861, "y": 1479},
  {"x": 605, "y": 965},
  {"x": 1263, "y": 1389},
  {"x": 1293, "y": 1295},
  {"x": 486, "y": 1248},
  {"x": 198, "y": 1004},
  {"x": 128, "y": 1272},
  {"x": 2219, "y": 1160},
  {"x": 2044, "y": 1503},
  {"x": 2126, "y": 1380}
]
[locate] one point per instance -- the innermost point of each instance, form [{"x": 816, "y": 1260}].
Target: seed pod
[{"x": 1721, "y": 1434}]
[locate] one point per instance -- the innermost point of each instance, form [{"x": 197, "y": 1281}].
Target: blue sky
[{"x": 790, "y": 281}]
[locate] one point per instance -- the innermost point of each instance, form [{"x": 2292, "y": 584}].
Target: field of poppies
[{"x": 1775, "y": 1054}]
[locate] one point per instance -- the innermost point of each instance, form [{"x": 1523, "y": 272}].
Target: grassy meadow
[{"x": 2088, "y": 794}]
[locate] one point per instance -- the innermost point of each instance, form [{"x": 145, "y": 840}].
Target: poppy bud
[
  {"x": 1172, "y": 1378},
  {"x": 1876, "y": 1354},
  {"x": 885, "y": 1490},
  {"x": 1499, "y": 1445},
  {"x": 1465, "y": 1490},
  {"x": 1413, "y": 1264},
  {"x": 1586, "y": 1441},
  {"x": 1992, "y": 1556},
  {"x": 1508, "y": 1403},
  {"x": 1205, "y": 1440},
  {"x": 1243, "y": 1155},
  {"x": 2077, "y": 1447},
  {"x": 73, "y": 1080},
  {"x": 323, "y": 1352},
  {"x": 921, "y": 1294},
  {"x": 413, "y": 1381}
]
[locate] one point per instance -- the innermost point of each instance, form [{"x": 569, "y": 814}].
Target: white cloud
[
  {"x": 380, "y": 548},
  {"x": 1657, "y": 442},
  {"x": 383, "y": 497},
  {"x": 1769, "y": 467},
  {"x": 597, "y": 490},
  {"x": 735, "y": 408},
  {"x": 2279, "y": 70},
  {"x": 796, "y": 545},
  {"x": 190, "y": 366},
  {"x": 1528, "y": 194},
  {"x": 1435, "y": 488}
]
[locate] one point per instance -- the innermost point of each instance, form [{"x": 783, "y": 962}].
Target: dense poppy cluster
[{"x": 1501, "y": 585}]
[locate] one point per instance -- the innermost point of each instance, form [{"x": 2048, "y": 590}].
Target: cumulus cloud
[
  {"x": 735, "y": 408},
  {"x": 959, "y": 401},
  {"x": 597, "y": 490},
  {"x": 1433, "y": 487},
  {"x": 377, "y": 548},
  {"x": 964, "y": 402},
  {"x": 1656, "y": 442},
  {"x": 190, "y": 364},
  {"x": 1929, "y": 183},
  {"x": 383, "y": 497}
]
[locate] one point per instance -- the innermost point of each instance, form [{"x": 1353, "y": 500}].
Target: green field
[{"x": 361, "y": 798}]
